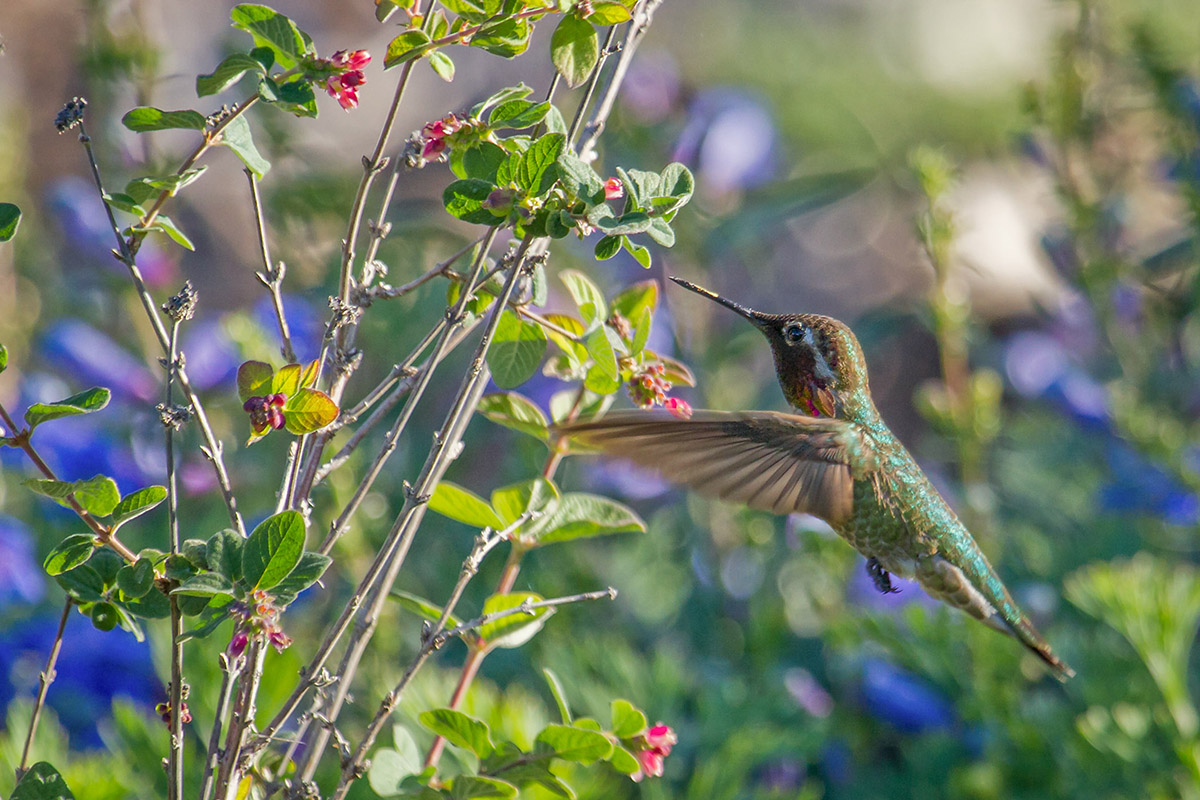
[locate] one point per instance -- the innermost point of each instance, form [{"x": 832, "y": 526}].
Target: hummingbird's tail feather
[{"x": 978, "y": 591}]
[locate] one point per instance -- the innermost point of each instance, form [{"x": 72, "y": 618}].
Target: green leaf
[
  {"x": 464, "y": 200},
  {"x": 510, "y": 502},
  {"x": 661, "y": 232},
  {"x": 294, "y": 96},
  {"x": 205, "y": 584},
  {"x": 516, "y": 629},
  {"x": 536, "y": 172},
  {"x": 640, "y": 254},
  {"x": 165, "y": 224},
  {"x": 42, "y": 782},
  {"x": 574, "y": 49},
  {"x": 137, "y": 503},
  {"x": 10, "y": 219},
  {"x": 506, "y": 37},
  {"x": 422, "y": 607},
  {"x": 457, "y": 503},
  {"x": 579, "y": 515},
  {"x": 290, "y": 378},
  {"x": 459, "y": 730},
  {"x": 145, "y": 118},
  {"x": 391, "y": 766},
  {"x": 609, "y": 14},
  {"x": 405, "y": 47},
  {"x": 310, "y": 569},
  {"x": 69, "y": 553},
  {"x": 515, "y": 411},
  {"x": 227, "y": 73},
  {"x": 637, "y": 298},
  {"x": 483, "y": 160},
  {"x": 3, "y": 358},
  {"x": 83, "y": 403},
  {"x": 309, "y": 410},
  {"x": 98, "y": 494},
  {"x": 575, "y": 744},
  {"x": 627, "y": 224},
  {"x": 518, "y": 114},
  {"x": 640, "y": 185},
  {"x": 516, "y": 352},
  {"x": 607, "y": 247},
  {"x": 627, "y": 721},
  {"x": 624, "y": 761},
  {"x": 152, "y": 605},
  {"x": 676, "y": 181},
  {"x": 137, "y": 579},
  {"x": 503, "y": 96},
  {"x": 476, "y": 787},
  {"x": 254, "y": 380},
  {"x": 641, "y": 332},
  {"x": 83, "y": 584},
  {"x": 273, "y": 550},
  {"x": 604, "y": 376},
  {"x": 272, "y": 30},
  {"x": 212, "y": 616},
  {"x": 587, "y": 296},
  {"x": 224, "y": 551},
  {"x": 147, "y": 186},
  {"x": 442, "y": 65},
  {"x": 236, "y": 135},
  {"x": 560, "y": 696},
  {"x": 580, "y": 178}
]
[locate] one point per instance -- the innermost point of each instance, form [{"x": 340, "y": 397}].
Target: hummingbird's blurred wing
[{"x": 782, "y": 463}]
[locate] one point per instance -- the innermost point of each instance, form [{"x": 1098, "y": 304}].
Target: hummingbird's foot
[{"x": 880, "y": 576}]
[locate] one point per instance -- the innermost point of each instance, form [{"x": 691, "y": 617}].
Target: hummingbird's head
[{"x": 817, "y": 358}]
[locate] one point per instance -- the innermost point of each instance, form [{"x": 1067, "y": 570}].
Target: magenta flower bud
[{"x": 614, "y": 189}]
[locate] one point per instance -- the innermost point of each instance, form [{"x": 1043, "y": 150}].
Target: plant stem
[
  {"x": 175, "y": 755},
  {"x": 228, "y": 777},
  {"x": 229, "y": 673},
  {"x": 271, "y": 277},
  {"x": 44, "y": 680}
]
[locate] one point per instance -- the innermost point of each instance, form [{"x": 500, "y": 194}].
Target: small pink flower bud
[
  {"x": 681, "y": 409},
  {"x": 614, "y": 189}
]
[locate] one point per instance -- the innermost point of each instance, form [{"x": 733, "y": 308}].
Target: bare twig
[
  {"x": 240, "y": 723},
  {"x": 44, "y": 680},
  {"x": 229, "y": 673},
  {"x": 271, "y": 277},
  {"x": 175, "y": 690},
  {"x": 212, "y": 448}
]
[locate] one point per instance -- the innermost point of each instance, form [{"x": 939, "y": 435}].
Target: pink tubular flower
[
  {"x": 343, "y": 86},
  {"x": 614, "y": 189},
  {"x": 435, "y": 133},
  {"x": 265, "y": 412},
  {"x": 655, "y": 744},
  {"x": 679, "y": 408}
]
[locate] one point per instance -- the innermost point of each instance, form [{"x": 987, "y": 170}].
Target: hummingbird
[{"x": 836, "y": 459}]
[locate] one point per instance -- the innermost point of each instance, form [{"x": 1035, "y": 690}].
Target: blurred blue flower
[
  {"x": 1057, "y": 244},
  {"x": 306, "y": 325},
  {"x": 903, "y": 700},
  {"x": 87, "y": 235},
  {"x": 731, "y": 140},
  {"x": 836, "y": 762},
  {"x": 21, "y": 580},
  {"x": 1140, "y": 486},
  {"x": 91, "y": 357},
  {"x": 212, "y": 359},
  {"x": 781, "y": 776},
  {"x": 1038, "y": 366},
  {"x": 1186, "y": 94},
  {"x": 1127, "y": 304},
  {"x": 93, "y": 668}
]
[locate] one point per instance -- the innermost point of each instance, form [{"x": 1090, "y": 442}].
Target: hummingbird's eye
[{"x": 793, "y": 333}]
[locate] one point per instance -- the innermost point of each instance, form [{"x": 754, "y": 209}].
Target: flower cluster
[
  {"x": 260, "y": 615},
  {"x": 265, "y": 412},
  {"x": 435, "y": 133},
  {"x": 348, "y": 76},
  {"x": 648, "y": 388},
  {"x": 654, "y": 745},
  {"x": 164, "y": 711}
]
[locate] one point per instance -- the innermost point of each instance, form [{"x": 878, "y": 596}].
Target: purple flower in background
[
  {"x": 1127, "y": 304},
  {"x": 212, "y": 359},
  {"x": 836, "y": 762},
  {"x": 807, "y": 692},
  {"x": 731, "y": 140},
  {"x": 651, "y": 89},
  {"x": 88, "y": 237},
  {"x": 21, "y": 580},
  {"x": 1038, "y": 366},
  {"x": 782, "y": 776},
  {"x": 305, "y": 324},
  {"x": 861, "y": 591},
  {"x": 903, "y": 700},
  {"x": 89, "y": 356},
  {"x": 94, "y": 667}
]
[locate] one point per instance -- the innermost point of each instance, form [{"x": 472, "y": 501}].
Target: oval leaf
[
  {"x": 512, "y": 630},
  {"x": 513, "y": 410},
  {"x": 206, "y": 584},
  {"x": 309, "y": 410},
  {"x": 516, "y": 351},
  {"x": 85, "y": 402},
  {"x": 627, "y": 721},
  {"x": 455, "y": 502},
  {"x": 137, "y": 503},
  {"x": 69, "y": 553},
  {"x": 273, "y": 550},
  {"x": 422, "y": 607},
  {"x": 146, "y": 118},
  {"x": 42, "y": 782},
  {"x": 308, "y": 571},
  {"x": 459, "y": 730},
  {"x": 575, "y": 744},
  {"x": 10, "y": 219},
  {"x": 579, "y": 515},
  {"x": 574, "y": 49}
]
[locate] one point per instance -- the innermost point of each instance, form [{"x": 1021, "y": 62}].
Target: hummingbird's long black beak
[{"x": 757, "y": 317}]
